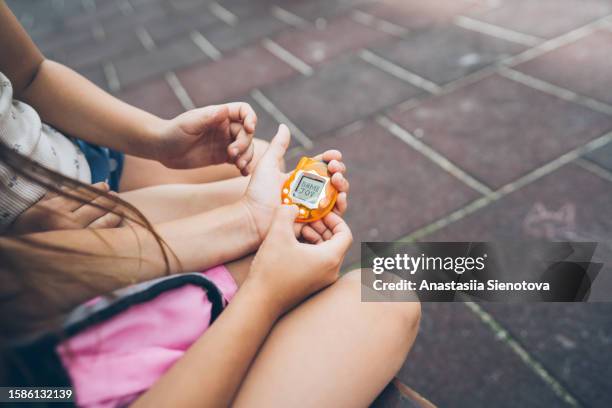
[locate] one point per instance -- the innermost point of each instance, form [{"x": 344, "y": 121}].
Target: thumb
[
  {"x": 280, "y": 143},
  {"x": 282, "y": 223}
]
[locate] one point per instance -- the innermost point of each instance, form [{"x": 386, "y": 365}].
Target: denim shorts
[{"x": 105, "y": 164}]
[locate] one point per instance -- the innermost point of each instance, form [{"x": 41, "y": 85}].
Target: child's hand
[
  {"x": 211, "y": 135},
  {"x": 290, "y": 271},
  {"x": 57, "y": 212},
  {"x": 263, "y": 192},
  {"x": 317, "y": 231}
]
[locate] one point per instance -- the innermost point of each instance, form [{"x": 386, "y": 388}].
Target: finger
[
  {"x": 108, "y": 220},
  {"x": 74, "y": 198},
  {"x": 340, "y": 183},
  {"x": 310, "y": 235},
  {"x": 321, "y": 229},
  {"x": 243, "y": 112},
  {"x": 241, "y": 141},
  {"x": 342, "y": 237},
  {"x": 279, "y": 144},
  {"x": 335, "y": 166},
  {"x": 329, "y": 155},
  {"x": 245, "y": 159},
  {"x": 97, "y": 208},
  {"x": 341, "y": 204},
  {"x": 282, "y": 224}
]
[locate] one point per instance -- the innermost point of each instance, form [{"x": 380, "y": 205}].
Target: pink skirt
[{"x": 112, "y": 363}]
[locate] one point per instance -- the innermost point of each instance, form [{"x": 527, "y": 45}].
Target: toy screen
[{"x": 308, "y": 189}]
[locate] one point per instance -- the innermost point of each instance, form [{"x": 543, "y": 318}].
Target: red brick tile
[
  {"x": 97, "y": 52},
  {"x": 456, "y": 361},
  {"x": 546, "y": 18},
  {"x": 569, "y": 339},
  {"x": 340, "y": 92},
  {"x": 246, "y": 32},
  {"x": 153, "y": 96},
  {"x": 584, "y": 67},
  {"x": 145, "y": 65},
  {"x": 233, "y": 76},
  {"x": 602, "y": 156},
  {"x": 447, "y": 53},
  {"x": 417, "y": 14},
  {"x": 141, "y": 16},
  {"x": 340, "y": 35},
  {"x": 568, "y": 204},
  {"x": 168, "y": 27},
  {"x": 498, "y": 130},
  {"x": 315, "y": 9},
  {"x": 394, "y": 189}
]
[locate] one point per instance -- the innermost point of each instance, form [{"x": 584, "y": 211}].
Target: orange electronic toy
[{"x": 310, "y": 188}]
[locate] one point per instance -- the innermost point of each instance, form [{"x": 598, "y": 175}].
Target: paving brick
[
  {"x": 58, "y": 41},
  {"x": 569, "y": 340},
  {"x": 498, "y": 130},
  {"x": 546, "y": 18},
  {"x": 341, "y": 92},
  {"x": 84, "y": 20},
  {"x": 394, "y": 189},
  {"x": 154, "y": 96},
  {"x": 245, "y": 9},
  {"x": 444, "y": 54},
  {"x": 169, "y": 27},
  {"x": 144, "y": 14},
  {"x": 584, "y": 67},
  {"x": 247, "y": 31},
  {"x": 96, "y": 52},
  {"x": 569, "y": 204},
  {"x": 27, "y": 10},
  {"x": 417, "y": 14},
  {"x": 602, "y": 156},
  {"x": 174, "y": 55},
  {"x": 232, "y": 76},
  {"x": 458, "y": 362},
  {"x": 185, "y": 6},
  {"x": 342, "y": 34},
  {"x": 392, "y": 398},
  {"x": 314, "y": 9}
]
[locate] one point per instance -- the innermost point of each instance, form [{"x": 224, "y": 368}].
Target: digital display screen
[{"x": 308, "y": 189}]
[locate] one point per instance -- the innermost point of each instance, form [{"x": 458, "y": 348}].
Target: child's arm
[
  {"x": 65, "y": 99},
  {"x": 77, "y": 107},
  {"x": 58, "y": 212},
  {"x": 114, "y": 258},
  {"x": 283, "y": 273}
]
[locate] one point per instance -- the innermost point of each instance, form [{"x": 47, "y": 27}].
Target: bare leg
[
  {"x": 332, "y": 350},
  {"x": 239, "y": 269},
  {"x": 139, "y": 173}
]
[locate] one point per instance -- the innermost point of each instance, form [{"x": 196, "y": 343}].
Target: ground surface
[{"x": 458, "y": 119}]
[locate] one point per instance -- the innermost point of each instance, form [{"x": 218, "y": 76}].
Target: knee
[{"x": 397, "y": 321}]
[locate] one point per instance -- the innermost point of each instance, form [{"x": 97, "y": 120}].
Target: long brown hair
[{"x": 23, "y": 261}]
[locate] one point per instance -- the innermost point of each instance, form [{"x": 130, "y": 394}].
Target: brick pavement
[{"x": 458, "y": 119}]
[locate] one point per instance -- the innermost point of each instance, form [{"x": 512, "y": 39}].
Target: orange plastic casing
[{"x": 326, "y": 201}]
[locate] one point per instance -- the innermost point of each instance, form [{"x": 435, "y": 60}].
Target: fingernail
[
  {"x": 234, "y": 151},
  {"x": 242, "y": 163}
]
